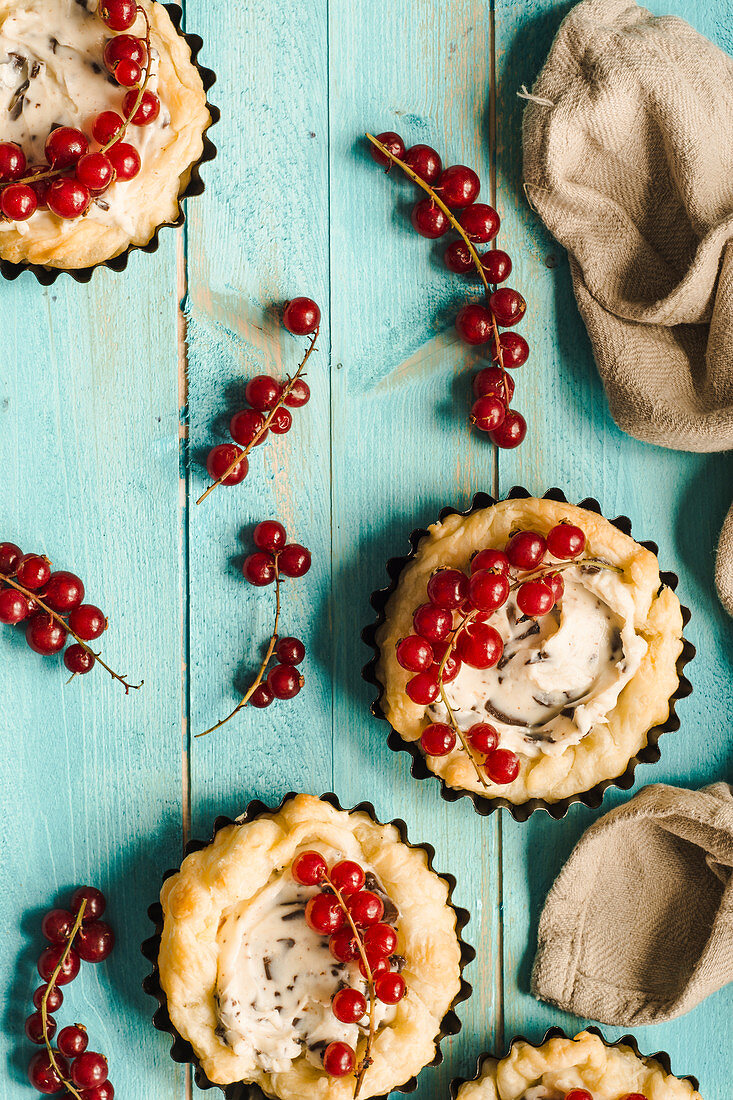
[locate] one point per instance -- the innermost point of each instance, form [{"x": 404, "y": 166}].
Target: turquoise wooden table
[{"x": 110, "y": 395}]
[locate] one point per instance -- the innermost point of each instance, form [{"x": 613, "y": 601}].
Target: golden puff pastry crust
[
  {"x": 605, "y": 751},
  {"x": 585, "y": 1062},
  {"x": 245, "y": 858}
]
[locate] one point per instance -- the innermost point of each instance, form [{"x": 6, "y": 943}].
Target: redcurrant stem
[
  {"x": 538, "y": 574},
  {"x": 62, "y": 622},
  {"x": 444, "y": 697},
  {"x": 47, "y": 992},
  {"x": 265, "y": 661},
  {"x": 462, "y": 232},
  {"x": 266, "y": 424}
]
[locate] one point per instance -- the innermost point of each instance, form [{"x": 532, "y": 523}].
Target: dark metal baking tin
[
  {"x": 661, "y": 1056},
  {"x": 182, "y": 1051},
  {"x": 195, "y": 186},
  {"x": 483, "y": 804}
]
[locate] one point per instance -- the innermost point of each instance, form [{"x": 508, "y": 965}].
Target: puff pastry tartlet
[
  {"x": 570, "y": 694},
  {"x": 248, "y": 982},
  {"x": 561, "y": 1065},
  {"x": 52, "y": 74}
]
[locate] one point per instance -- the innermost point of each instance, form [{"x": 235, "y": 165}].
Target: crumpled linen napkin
[
  {"x": 638, "y": 927},
  {"x": 628, "y": 158}
]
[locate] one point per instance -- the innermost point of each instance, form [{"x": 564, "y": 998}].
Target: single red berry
[
  {"x": 68, "y": 198},
  {"x": 324, "y": 914},
  {"x": 423, "y": 689},
  {"x": 290, "y": 651},
  {"x": 490, "y": 559},
  {"x": 438, "y": 739},
  {"x": 128, "y": 74},
  {"x": 245, "y": 425},
  {"x": 628, "y": 1096},
  {"x": 282, "y": 421},
  {"x": 72, "y": 1040},
  {"x": 94, "y": 941},
  {"x": 424, "y": 161},
  {"x": 33, "y": 571},
  {"x": 512, "y": 432},
  {"x": 44, "y": 635},
  {"x": 261, "y": 697},
  {"x": 10, "y": 557},
  {"x": 56, "y": 925},
  {"x": 365, "y": 908},
  {"x": 263, "y": 392},
  {"x": 147, "y": 111},
  {"x": 488, "y": 590},
  {"x": 107, "y": 125},
  {"x": 474, "y": 324},
  {"x": 488, "y": 413},
  {"x": 343, "y": 945},
  {"x": 18, "y": 202},
  {"x": 125, "y": 160},
  {"x": 502, "y": 766},
  {"x": 483, "y": 737},
  {"x": 42, "y": 1074},
  {"x": 377, "y": 966},
  {"x": 79, "y": 660},
  {"x": 347, "y": 876},
  {"x": 526, "y": 550},
  {"x": 269, "y": 535},
  {"x": 507, "y": 305},
  {"x": 414, "y": 654},
  {"x": 219, "y": 460},
  {"x": 448, "y": 588},
  {"x": 65, "y": 146},
  {"x": 50, "y": 959},
  {"x": 557, "y": 584},
  {"x": 497, "y": 265},
  {"x": 458, "y": 186},
  {"x": 391, "y": 141},
  {"x": 493, "y": 381},
  {"x": 88, "y": 622},
  {"x": 95, "y": 171},
  {"x": 14, "y": 607},
  {"x": 298, "y": 395},
  {"x": 452, "y": 665},
  {"x": 295, "y": 560},
  {"x": 535, "y": 598},
  {"x": 349, "y": 1006},
  {"x": 101, "y": 1092},
  {"x": 34, "y": 1028},
  {"x": 54, "y": 1000},
  {"x": 583, "y": 1094},
  {"x": 479, "y": 645},
  {"x": 429, "y": 220},
  {"x": 12, "y": 161},
  {"x": 124, "y": 47},
  {"x": 309, "y": 868},
  {"x": 118, "y": 15},
  {"x": 380, "y": 941},
  {"x": 390, "y": 988},
  {"x": 64, "y": 591},
  {"x": 480, "y": 222},
  {"x": 284, "y": 681},
  {"x": 301, "y": 316},
  {"x": 432, "y": 623},
  {"x": 566, "y": 541},
  {"x": 39, "y": 186},
  {"x": 96, "y": 902},
  {"x": 458, "y": 259},
  {"x": 89, "y": 1069},
  {"x": 338, "y": 1059},
  {"x": 259, "y": 569},
  {"x": 514, "y": 350}
]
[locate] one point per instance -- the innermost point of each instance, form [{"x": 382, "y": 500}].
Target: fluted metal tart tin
[
  {"x": 195, "y": 186},
  {"x": 483, "y": 804},
  {"x": 182, "y": 1051},
  {"x": 660, "y": 1056}
]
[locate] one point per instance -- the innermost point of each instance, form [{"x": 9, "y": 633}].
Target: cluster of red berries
[
  {"x": 267, "y": 400},
  {"x": 352, "y": 919},
  {"x": 458, "y": 187},
  {"x": 69, "y": 1065},
  {"x": 73, "y": 175},
  {"x": 439, "y": 646},
  {"x": 60, "y": 591}
]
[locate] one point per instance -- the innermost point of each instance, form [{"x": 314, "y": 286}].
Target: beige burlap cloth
[
  {"x": 628, "y": 158},
  {"x": 638, "y": 927}
]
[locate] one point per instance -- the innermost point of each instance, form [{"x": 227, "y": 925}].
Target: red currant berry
[
  {"x": 324, "y": 914},
  {"x": 488, "y": 590},
  {"x": 261, "y": 697},
  {"x": 54, "y": 1000},
  {"x": 128, "y": 74},
  {"x": 629, "y": 1096},
  {"x": 259, "y": 569},
  {"x": 480, "y": 222},
  {"x": 64, "y": 591},
  {"x": 365, "y": 908},
  {"x": 33, "y": 571},
  {"x": 10, "y": 558},
  {"x": 490, "y": 559},
  {"x": 50, "y": 959},
  {"x": 284, "y": 681},
  {"x": 488, "y": 413},
  {"x": 39, "y": 186},
  {"x": 72, "y": 1040},
  {"x": 125, "y": 160},
  {"x": 95, "y": 941},
  {"x": 502, "y": 766},
  {"x": 429, "y": 220},
  {"x": 452, "y": 665},
  {"x": 347, "y": 876},
  {"x": 290, "y": 651},
  {"x": 14, "y": 607},
  {"x": 68, "y": 198},
  {"x": 282, "y": 421},
  {"x": 512, "y": 431},
  {"x": 269, "y": 535},
  {"x": 424, "y": 161},
  {"x": 514, "y": 350},
  {"x": 246, "y": 425},
  {"x": 147, "y": 111},
  {"x": 380, "y": 941},
  {"x": 458, "y": 186},
  {"x": 65, "y": 146},
  {"x": 349, "y": 1006},
  {"x": 295, "y": 560},
  {"x": 338, "y": 1059},
  {"x": 219, "y": 460},
  {"x": 497, "y": 265},
  {"x": 124, "y": 47},
  {"x": 101, "y": 1092},
  {"x": 390, "y": 988},
  {"x": 44, "y": 635},
  {"x": 483, "y": 737},
  {"x": 96, "y": 903},
  {"x": 557, "y": 584},
  {"x": 95, "y": 171},
  {"x": 458, "y": 259},
  {"x": 89, "y": 1069},
  {"x": 414, "y": 654},
  {"x": 34, "y": 1028},
  {"x": 56, "y": 925},
  {"x": 309, "y": 868},
  {"x": 479, "y": 645},
  {"x": 423, "y": 689},
  {"x": 474, "y": 324},
  {"x": 107, "y": 125},
  {"x": 18, "y": 202},
  {"x": 343, "y": 945},
  {"x": 298, "y": 395},
  {"x": 12, "y": 161},
  {"x": 377, "y": 966},
  {"x": 493, "y": 381},
  {"x": 566, "y": 541},
  {"x": 263, "y": 392},
  {"x": 448, "y": 588},
  {"x": 535, "y": 598},
  {"x": 118, "y": 15},
  {"x": 507, "y": 305},
  {"x": 526, "y": 550},
  {"x": 438, "y": 739},
  {"x": 391, "y": 141},
  {"x": 88, "y": 622},
  {"x": 432, "y": 623},
  {"x": 42, "y": 1074},
  {"x": 302, "y": 316},
  {"x": 583, "y": 1094}
]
